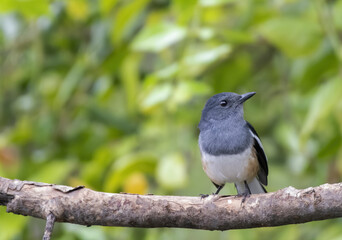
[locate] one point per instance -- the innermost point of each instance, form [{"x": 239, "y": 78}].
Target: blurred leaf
[
  {"x": 69, "y": 84},
  {"x": 323, "y": 103},
  {"x": 25, "y": 103},
  {"x": 45, "y": 126},
  {"x": 196, "y": 63},
  {"x": 158, "y": 94},
  {"x": 11, "y": 225},
  {"x": 337, "y": 16},
  {"x": 330, "y": 232},
  {"x": 187, "y": 89},
  {"x": 290, "y": 232},
  {"x": 136, "y": 183},
  {"x": 208, "y": 56},
  {"x": 113, "y": 60},
  {"x": 55, "y": 171},
  {"x": 130, "y": 79},
  {"x": 236, "y": 72},
  {"x": 236, "y": 36},
  {"x": 29, "y": 8},
  {"x": 77, "y": 9},
  {"x": 23, "y": 130},
  {"x": 297, "y": 162},
  {"x": 171, "y": 171},
  {"x": 211, "y": 3},
  {"x": 330, "y": 148},
  {"x": 338, "y": 166},
  {"x": 206, "y": 33},
  {"x": 107, "y": 5},
  {"x": 92, "y": 170},
  {"x": 295, "y": 37},
  {"x": 125, "y": 17},
  {"x": 111, "y": 119},
  {"x": 48, "y": 84},
  {"x": 287, "y": 135},
  {"x": 321, "y": 64},
  {"x": 168, "y": 71},
  {"x": 75, "y": 231},
  {"x": 158, "y": 37},
  {"x": 122, "y": 168},
  {"x": 102, "y": 87}
]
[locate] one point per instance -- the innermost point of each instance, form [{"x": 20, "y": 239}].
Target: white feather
[
  {"x": 254, "y": 186},
  {"x": 227, "y": 168},
  {"x": 258, "y": 140}
]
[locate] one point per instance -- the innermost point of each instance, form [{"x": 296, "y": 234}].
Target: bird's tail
[{"x": 254, "y": 186}]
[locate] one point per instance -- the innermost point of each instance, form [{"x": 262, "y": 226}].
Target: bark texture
[
  {"x": 50, "y": 221},
  {"x": 86, "y": 207}
]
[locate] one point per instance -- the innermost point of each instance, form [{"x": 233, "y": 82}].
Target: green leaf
[
  {"x": 22, "y": 133},
  {"x": 330, "y": 148},
  {"x": 322, "y": 105},
  {"x": 69, "y": 84},
  {"x": 109, "y": 118},
  {"x": 130, "y": 79},
  {"x": 55, "y": 171},
  {"x": 196, "y": 63},
  {"x": 209, "y": 55},
  {"x": 168, "y": 72},
  {"x": 125, "y": 17},
  {"x": 171, "y": 171},
  {"x": 158, "y": 37},
  {"x": 212, "y": 3},
  {"x": 295, "y": 37},
  {"x": 29, "y": 8},
  {"x": 158, "y": 94},
  {"x": 11, "y": 225},
  {"x": 238, "y": 36},
  {"x": 337, "y": 16},
  {"x": 141, "y": 162},
  {"x": 81, "y": 232},
  {"x": 107, "y": 5},
  {"x": 186, "y": 89}
]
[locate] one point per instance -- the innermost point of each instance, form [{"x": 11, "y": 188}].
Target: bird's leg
[
  {"x": 247, "y": 192},
  {"x": 219, "y": 187}
]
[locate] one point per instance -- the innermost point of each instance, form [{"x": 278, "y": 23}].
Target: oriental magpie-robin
[{"x": 230, "y": 147}]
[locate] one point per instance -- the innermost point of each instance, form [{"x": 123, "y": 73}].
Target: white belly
[{"x": 231, "y": 168}]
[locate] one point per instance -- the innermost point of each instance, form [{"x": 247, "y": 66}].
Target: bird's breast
[
  {"x": 231, "y": 167},
  {"x": 225, "y": 139}
]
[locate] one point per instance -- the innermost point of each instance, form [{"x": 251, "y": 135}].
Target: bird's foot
[
  {"x": 207, "y": 195},
  {"x": 212, "y": 196},
  {"x": 204, "y": 196},
  {"x": 244, "y": 196}
]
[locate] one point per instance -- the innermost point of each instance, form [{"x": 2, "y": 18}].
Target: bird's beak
[{"x": 246, "y": 96}]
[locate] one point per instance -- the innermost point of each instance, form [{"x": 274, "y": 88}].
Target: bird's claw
[
  {"x": 244, "y": 196},
  {"x": 204, "y": 196}
]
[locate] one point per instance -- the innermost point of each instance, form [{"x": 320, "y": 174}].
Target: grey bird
[{"x": 230, "y": 147}]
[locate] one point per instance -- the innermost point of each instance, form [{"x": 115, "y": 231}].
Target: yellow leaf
[
  {"x": 136, "y": 183},
  {"x": 78, "y": 9}
]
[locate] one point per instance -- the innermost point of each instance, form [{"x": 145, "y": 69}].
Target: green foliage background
[{"x": 108, "y": 94}]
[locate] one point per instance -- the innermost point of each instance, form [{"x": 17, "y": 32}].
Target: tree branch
[
  {"x": 86, "y": 207},
  {"x": 50, "y": 221}
]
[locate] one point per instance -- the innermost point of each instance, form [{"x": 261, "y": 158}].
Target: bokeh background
[{"x": 108, "y": 94}]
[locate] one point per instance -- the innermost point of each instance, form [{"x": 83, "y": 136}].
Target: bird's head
[{"x": 224, "y": 105}]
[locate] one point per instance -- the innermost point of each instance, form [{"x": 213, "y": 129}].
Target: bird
[{"x": 231, "y": 149}]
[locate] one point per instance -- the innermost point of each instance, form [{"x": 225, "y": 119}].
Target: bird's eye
[{"x": 223, "y": 103}]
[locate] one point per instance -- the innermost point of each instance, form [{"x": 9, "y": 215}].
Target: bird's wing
[{"x": 262, "y": 159}]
